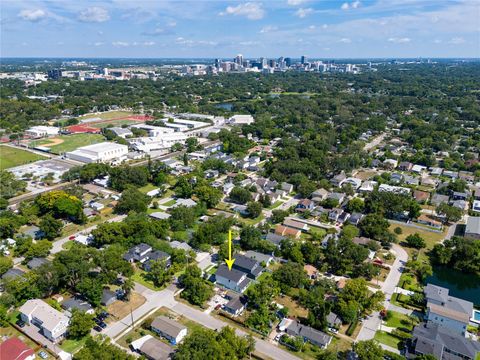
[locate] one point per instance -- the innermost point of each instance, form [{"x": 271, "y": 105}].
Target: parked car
[
  {"x": 218, "y": 307},
  {"x": 97, "y": 328},
  {"x": 20, "y": 323},
  {"x": 43, "y": 354},
  {"x": 102, "y": 325},
  {"x": 333, "y": 330}
]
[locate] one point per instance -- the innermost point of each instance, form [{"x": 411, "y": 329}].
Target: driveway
[
  {"x": 34, "y": 332},
  {"x": 371, "y": 325}
]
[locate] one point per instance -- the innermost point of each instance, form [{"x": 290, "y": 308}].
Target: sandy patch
[{"x": 53, "y": 142}]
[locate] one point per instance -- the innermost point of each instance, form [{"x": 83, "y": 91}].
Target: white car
[
  {"x": 277, "y": 338},
  {"x": 333, "y": 330}
]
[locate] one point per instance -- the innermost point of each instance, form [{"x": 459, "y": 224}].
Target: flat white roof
[{"x": 104, "y": 146}]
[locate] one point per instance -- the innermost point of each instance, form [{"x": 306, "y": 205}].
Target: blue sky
[{"x": 273, "y": 28}]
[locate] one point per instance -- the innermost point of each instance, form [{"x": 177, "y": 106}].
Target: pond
[
  {"x": 462, "y": 285},
  {"x": 225, "y": 106}
]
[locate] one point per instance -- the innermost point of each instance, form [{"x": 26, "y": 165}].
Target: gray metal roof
[{"x": 167, "y": 326}]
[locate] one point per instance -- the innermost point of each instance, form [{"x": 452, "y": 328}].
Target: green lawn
[
  {"x": 387, "y": 339},
  {"x": 107, "y": 115},
  {"x": 11, "y": 157},
  {"x": 169, "y": 203},
  {"x": 71, "y": 346},
  {"x": 276, "y": 204},
  {"x": 149, "y": 187},
  {"x": 139, "y": 276},
  {"x": 399, "y": 320},
  {"x": 69, "y": 142}
]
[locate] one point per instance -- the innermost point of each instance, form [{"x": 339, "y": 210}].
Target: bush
[
  {"x": 352, "y": 327},
  {"x": 398, "y": 230}
]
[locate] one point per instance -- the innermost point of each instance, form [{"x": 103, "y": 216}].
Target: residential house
[
  {"x": 411, "y": 180},
  {"x": 338, "y": 179},
  {"x": 311, "y": 271},
  {"x": 180, "y": 245},
  {"x": 305, "y": 205},
  {"x": 476, "y": 205},
  {"x": 364, "y": 241},
  {"x": 334, "y": 214},
  {"x": 184, "y": 202},
  {"x": 337, "y": 196},
  {"x": 438, "y": 199},
  {"x": 274, "y": 238},
  {"x": 443, "y": 344},
  {"x": 447, "y": 311},
  {"x": 354, "y": 182},
  {"x": 421, "y": 196},
  {"x": 52, "y": 323},
  {"x": 159, "y": 215},
  {"x": 405, "y": 166},
  {"x": 15, "y": 349},
  {"x": 428, "y": 181},
  {"x": 151, "y": 348},
  {"x": 427, "y": 220},
  {"x": 418, "y": 168},
  {"x": 319, "y": 195},
  {"x": 390, "y": 163},
  {"x": 450, "y": 174},
  {"x": 476, "y": 194},
  {"x": 393, "y": 189},
  {"x": 138, "y": 253},
  {"x": 343, "y": 217},
  {"x": 355, "y": 218},
  {"x": 396, "y": 178},
  {"x": 236, "y": 305},
  {"x": 169, "y": 329},
  {"x": 121, "y": 132},
  {"x": 77, "y": 303},
  {"x": 367, "y": 186},
  {"x": 108, "y": 297},
  {"x": 156, "y": 255},
  {"x": 260, "y": 257},
  {"x": 467, "y": 176},
  {"x": 472, "y": 229},
  {"x": 12, "y": 273},
  {"x": 282, "y": 230},
  {"x": 316, "y": 337},
  {"x": 211, "y": 174},
  {"x": 294, "y": 224},
  {"x": 248, "y": 265},
  {"x": 232, "y": 279},
  {"x": 333, "y": 320},
  {"x": 36, "y": 262},
  {"x": 288, "y": 188},
  {"x": 460, "y": 204},
  {"x": 436, "y": 171}
]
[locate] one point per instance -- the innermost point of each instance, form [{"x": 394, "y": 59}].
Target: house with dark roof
[
  {"x": 355, "y": 218},
  {"x": 156, "y": 255},
  {"x": 152, "y": 348},
  {"x": 169, "y": 329},
  {"x": 316, "y": 337},
  {"x": 108, "y": 297},
  {"x": 236, "y": 305},
  {"x": 260, "y": 257},
  {"x": 333, "y": 320},
  {"x": 15, "y": 349},
  {"x": 138, "y": 253},
  {"x": 36, "y": 262},
  {"x": 77, "y": 303},
  {"x": 442, "y": 343},
  {"x": 305, "y": 205},
  {"x": 274, "y": 238},
  {"x": 248, "y": 265},
  {"x": 447, "y": 311},
  {"x": 12, "y": 273},
  {"x": 472, "y": 229},
  {"x": 438, "y": 199},
  {"x": 232, "y": 279}
]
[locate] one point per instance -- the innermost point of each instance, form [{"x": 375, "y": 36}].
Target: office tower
[
  {"x": 54, "y": 74},
  {"x": 239, "y": 59},
  {"x": 263, "y": 61},
  {"x": 271, "y": 63},
  {"x": 303, "y": 59},
  {"x": 288, "y": 61}
]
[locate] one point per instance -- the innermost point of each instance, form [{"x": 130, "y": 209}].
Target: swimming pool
[{"x": 476, "y": 316}]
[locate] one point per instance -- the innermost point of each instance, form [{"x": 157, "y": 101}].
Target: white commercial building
[
  {"x": 166, "y": 141},
  {"x": 191, "y": 124},
  {"x": 42, "y": 131},
  {"x": 241, "y": 119},
  {"x": 102, "y": 152},
  {"x": 154, "y": 131}
]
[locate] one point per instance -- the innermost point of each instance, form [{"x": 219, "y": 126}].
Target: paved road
[
  {"x": 372, "y": 144},
  {"x": 58, "y": 245},
  {"x": 371, "y": 325},
  {"x": 158, "y": 299}
]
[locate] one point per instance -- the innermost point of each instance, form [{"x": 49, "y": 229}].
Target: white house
[
  {"x": 102, "y": 152},
  {"x": 52, "y": 322},
  {"x": 42, "y": 131},
  {"x": 169, "y": 329}
]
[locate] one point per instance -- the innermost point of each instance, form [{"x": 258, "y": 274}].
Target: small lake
[
  {"x": 225, "y": 106},
  {"x": 462, "y": 285}
]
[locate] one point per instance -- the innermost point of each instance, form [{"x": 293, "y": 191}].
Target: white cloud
[
  {"x": 33, "y": 14},
  {"x": 159, "y": 31},
  {"x": 324, "y": 26},
  {"x": 456, "y": 40},
  {"x": 437, "y": 41},
  {"x": 94, "y": 14},
  {"x": 98, "y": 43},
  {"x": 252, "y": 11},
  {"x": 120, "y": 44},
  {"x": 312, "y": 27},
  {"x": 301, "y": 13},
  {"x": 249, "y": 43},
  {"x": 352, "y": 5},
  {"x": 191, "y": 43},
  {"x": 149, "y": 43},
  {"x": 345, "y": 40},
  {"x": 295, "y": 2},
  {"x": 268, "y": 28},
  {"x": 402, "y": 40}
]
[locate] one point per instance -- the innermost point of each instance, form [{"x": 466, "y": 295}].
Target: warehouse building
[{"x": 102, "y": 152}]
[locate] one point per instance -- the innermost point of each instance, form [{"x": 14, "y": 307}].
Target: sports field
[
  {"x": 107, "y": 115},
  {"x": 64, "y": 143},
  {"x": 11, "y": 157}
]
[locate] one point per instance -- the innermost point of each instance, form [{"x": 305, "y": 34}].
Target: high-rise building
[
  {"x": 272, "y": 63},
  {"x": 263, "y": 61},
  {"x": 288, "y": 61},
  {"x": 303, "y": 59},
  {"x": 54, "y": 74},
  {"x": 239, "y": 59},
  {"x": 217, "y": 63}
]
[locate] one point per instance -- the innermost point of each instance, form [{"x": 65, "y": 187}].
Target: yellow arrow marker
[{"x": 229, "y": 261}]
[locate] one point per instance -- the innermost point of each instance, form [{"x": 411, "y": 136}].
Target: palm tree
[{"x": 127, "y": 287}]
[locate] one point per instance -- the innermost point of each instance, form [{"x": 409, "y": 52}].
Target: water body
[
  {"x": 225, "y": 106},
  {"x": 462, "y": 285}
]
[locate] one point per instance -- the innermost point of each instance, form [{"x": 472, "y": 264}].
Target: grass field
[
  {"x": 68, "y": 142},
  {"x": 149, "y": 187},
  {"x": 120, "y": 309},
  {"x": 399, "y": 321},
  {"x": 11, "y": 157},
  {"x": 107, "y": 115},
  {"x": 119, "y": 122}
]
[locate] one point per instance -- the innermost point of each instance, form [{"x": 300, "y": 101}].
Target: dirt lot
[{"x": 120, "y": 309}]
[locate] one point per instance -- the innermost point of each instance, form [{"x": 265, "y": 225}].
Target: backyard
[{"x": 11, "y": 157}]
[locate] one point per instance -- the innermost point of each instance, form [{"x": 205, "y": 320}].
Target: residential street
[
  {"x": 371, "y": 325},
  {"x": 165, "y": 297}
]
